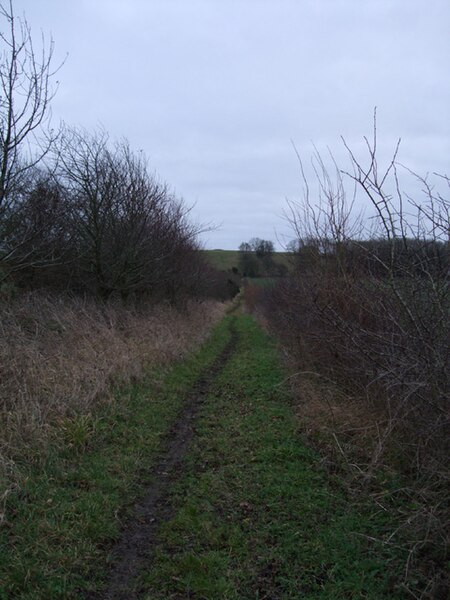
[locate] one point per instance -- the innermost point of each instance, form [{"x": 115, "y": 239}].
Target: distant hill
[{"x": 225, "y": 260}]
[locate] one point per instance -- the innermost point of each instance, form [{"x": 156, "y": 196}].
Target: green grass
[
  {"x": 225, "y": 260},
  {"x": 256, "y": 516},
  {"x": 60, "y": 524}
]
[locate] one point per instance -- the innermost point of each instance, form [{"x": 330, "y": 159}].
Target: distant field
[{"x": 225, "y": 260}]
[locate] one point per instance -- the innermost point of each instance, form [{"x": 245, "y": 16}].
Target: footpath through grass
[
  {"x": 57, "y": 528},
  {"x": 256, "y": 516}
]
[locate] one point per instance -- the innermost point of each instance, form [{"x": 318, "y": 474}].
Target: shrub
[{"x": 372, "y": 315}]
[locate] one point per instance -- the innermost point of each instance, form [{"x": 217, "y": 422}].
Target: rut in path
[{"x": 135, "y": 548}]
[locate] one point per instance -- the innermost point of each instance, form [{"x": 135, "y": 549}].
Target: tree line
[
  {"x": 255, "y": 259},
  {"x": 79, "y": 211}
]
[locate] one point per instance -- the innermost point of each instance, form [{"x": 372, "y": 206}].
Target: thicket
[
  {"x": 365, "y": 313},
  {"x": 94, "y": 220},
  {"x": 78, "y": 212}
]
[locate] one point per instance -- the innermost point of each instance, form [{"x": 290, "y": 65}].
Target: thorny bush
[{"x": 369, "y": 311}]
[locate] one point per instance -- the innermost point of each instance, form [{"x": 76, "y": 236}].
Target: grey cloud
[{"x": 214, "y": 91}]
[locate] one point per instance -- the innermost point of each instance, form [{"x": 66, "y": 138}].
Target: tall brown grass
[{"x": 60, "y": 356}]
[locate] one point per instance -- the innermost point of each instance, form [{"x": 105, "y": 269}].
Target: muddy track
[{"x": 134, "y": 550}]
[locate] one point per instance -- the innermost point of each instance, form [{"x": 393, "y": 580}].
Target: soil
[{"x": 134, "y": 550}]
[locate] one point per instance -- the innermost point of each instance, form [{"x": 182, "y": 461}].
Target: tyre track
[{"x": 135, "y": 548}]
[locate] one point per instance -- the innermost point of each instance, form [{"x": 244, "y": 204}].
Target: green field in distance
[{"x": 224, "y": 260}]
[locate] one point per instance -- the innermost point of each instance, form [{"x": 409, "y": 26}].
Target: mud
[{"x": 134, "y": 551}]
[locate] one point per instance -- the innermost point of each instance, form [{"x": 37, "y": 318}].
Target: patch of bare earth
[{"x": 139, "y": 538}]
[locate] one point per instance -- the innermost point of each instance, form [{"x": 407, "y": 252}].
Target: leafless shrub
[
  {"x": 95, "y": 219},
  {"x": 132, "y": 235},
  {"x": 368, "y": 308}
]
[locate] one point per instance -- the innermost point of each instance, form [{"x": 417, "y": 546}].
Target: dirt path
[{"x": 136, "y": 546}]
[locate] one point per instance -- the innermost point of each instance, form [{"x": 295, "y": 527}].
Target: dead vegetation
[
  {"x": 61, "y": 356},
  {"x": 101, "y": 274},
  {"x": 364, "y": 320},
  {"x": 349, "y": 433}
]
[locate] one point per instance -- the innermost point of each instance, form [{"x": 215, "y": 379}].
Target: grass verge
[
  {"x": 256, "y": 515},
  {"x": 58, "y": 526}
]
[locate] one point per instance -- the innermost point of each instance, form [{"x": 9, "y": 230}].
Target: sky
[{"x": 216, "y": 92}]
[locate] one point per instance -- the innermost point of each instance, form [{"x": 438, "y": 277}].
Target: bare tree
[
  {"x": 132, "y": 234},
  {"x": 26, "y": 91}
]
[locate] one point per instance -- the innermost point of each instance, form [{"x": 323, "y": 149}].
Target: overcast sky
[{"x": 215, "y": 90}]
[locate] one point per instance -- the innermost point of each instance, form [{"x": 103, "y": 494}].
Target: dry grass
[
  {"x": 344, "y": 428},
  {"x": 60, "y": 356},
  {"x": 348, "y": 433},
  {"x": 356, "y": 442}
]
